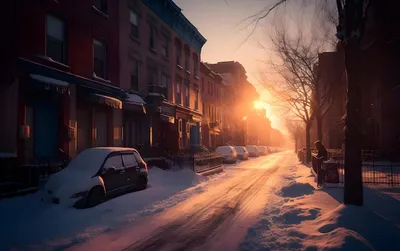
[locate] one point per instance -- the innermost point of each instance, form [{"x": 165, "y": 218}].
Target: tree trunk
[
  {"x": 353, "y": 187},
  {"x": 308, "y": 143},
  {"x": 319, "y": 128}
]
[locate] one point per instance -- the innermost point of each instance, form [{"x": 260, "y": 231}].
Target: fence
[{"x": 378, "y": 168}]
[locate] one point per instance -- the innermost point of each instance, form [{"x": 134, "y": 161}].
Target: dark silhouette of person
[{"x": 322, "y": 152}]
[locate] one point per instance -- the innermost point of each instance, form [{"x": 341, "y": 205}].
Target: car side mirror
[{"x": 109, "y": 169}]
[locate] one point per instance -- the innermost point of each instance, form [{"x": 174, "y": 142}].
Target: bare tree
[
  {"x": 352, "y": 17},
  {"x": 296, "y": 131},
  {"x": 298, "y": 56}
]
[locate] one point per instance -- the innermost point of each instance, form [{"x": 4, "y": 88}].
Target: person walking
[{"x": 321, "y": 157}]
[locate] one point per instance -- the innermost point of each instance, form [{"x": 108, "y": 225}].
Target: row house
[
  {"x": 165, "y": 49},
  {"x": 211, "y": 95},
  {"x": 238, "y": 97},
  {"x": 82, "y": 74},
  {"x": 61, "y": 91}
]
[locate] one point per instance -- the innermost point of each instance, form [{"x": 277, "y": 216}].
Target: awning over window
[
  {"x": 48, "y": 83},
  {"x": 105, "y": 100},
  {"x": 135, "y": 103}
]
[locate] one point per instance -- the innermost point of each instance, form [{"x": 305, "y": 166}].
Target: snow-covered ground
[
  {"x": 267, "y": 203},
  {"x": 303, "y": 217},
  {"x": 29, "y": 224}
]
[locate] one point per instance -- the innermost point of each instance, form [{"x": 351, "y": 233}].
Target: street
[{"x": 213, "y": 220}]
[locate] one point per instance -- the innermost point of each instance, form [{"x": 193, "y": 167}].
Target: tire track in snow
[{"x": 192, "y": 231}]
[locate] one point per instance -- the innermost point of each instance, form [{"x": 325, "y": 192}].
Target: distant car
[
  {"x": 228, "y": 153},
  {"x": 262, "y": 150},
  {"x": 95, "y": 174},
  {"x": 242, "y": 152},
  {"x": 253, "y": 151}
]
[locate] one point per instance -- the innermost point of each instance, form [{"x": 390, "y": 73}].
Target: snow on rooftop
[
  {"x": 135, "y": 99},
  {"x": 47, "y": 80}
]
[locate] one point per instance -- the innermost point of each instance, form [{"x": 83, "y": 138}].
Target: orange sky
[{"x": 220, "y": 21}]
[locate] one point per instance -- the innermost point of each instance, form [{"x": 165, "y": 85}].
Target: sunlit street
[{"x": 216, "y": 219}]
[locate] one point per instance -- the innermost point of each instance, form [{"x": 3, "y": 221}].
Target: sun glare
[{"x": 259, "y": 104}]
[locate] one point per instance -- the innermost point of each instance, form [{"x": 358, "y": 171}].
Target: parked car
[
  {"x": 242, "y": 152},
  {"x": 96, "y": 174},
  {"x": 253, "y": 151},
  {"x": 262, "y": 150},
  {"x": 228, "y": 153}
]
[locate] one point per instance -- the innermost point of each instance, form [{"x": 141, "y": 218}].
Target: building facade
[
  {"x": 160, "y": 51},
  {"x": 211, "y": 95},
  {"x": 238, "y": 101},
  {"x": 63, "y": 92}
]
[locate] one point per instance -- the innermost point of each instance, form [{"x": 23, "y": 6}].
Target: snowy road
[{"x": 216, "y": 219}]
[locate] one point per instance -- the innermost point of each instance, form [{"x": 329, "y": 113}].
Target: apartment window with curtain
[
  {"x": 187, "y": 55},
  {"x": 135, "y": 76},
  {"x": 101, "y": 5},
  {"x": 134, "y": 19},
  {"x": 152, "y": 76},
  {"x": 178, "y": 49},
  {"x": 100, "y": 58},
  {"x": 152, "y": 38},
  {"x": 187, "y": 95},
  {"x": 55, "y": 39},
  {"x": 196, "y": 100},
  {"x": 165, "y": 47},
  {"x": 195, "y": 65},
  {"x": 164, "y": 84},
  {"x": 178, "y": 94}
]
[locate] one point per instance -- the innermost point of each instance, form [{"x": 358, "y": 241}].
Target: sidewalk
[{"x": 307, "y": 218}]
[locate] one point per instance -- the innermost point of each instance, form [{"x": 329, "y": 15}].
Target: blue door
[{"x": 45, "y": 131}]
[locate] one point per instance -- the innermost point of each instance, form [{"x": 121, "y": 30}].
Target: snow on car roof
[{"x": 91, "y": 159}]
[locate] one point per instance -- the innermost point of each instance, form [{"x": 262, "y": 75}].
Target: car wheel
[
  {"x": 142, "y": 183},
  {"x": 95, "y": 197}
]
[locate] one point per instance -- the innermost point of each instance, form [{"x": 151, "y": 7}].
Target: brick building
[
  {"x": 211, "y": 95},
  {"x": 62, "y": 91}
]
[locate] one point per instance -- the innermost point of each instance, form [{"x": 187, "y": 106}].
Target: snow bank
[
  {"x": 301, "y": 217},
  {"x": 32, "y": 224}
]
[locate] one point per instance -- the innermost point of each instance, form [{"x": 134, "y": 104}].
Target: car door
[
  {"x": 114, "y": 173},
  {"x": 131, "y": 167}
]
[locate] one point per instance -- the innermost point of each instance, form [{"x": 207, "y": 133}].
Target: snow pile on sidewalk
[
  {"x": 302, "y": 217},
  {"x": 30, "y": 224}
]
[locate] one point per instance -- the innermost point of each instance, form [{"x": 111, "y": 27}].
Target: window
[
  {"x": 165, "y": 47},
  {"x": 134, "y": 19},
  {"x": 180, "y": 129},
  {"x": 187, "y": 60},
  {"x": 203, "y": 110},
  {"x": 138, "y": 157},
  {"x": 202, "y": 84},
  {"x": 129, "y": 160},
  {"x": 100, "y": 53},
  {"x": 152, "y": 76},
  {"x": 135, "y": 76},
  {"x": 178, "y": 95},
  {"x": 164, "y": 84},
  {"x": 178, "y": 55},
  {"x": 187, "y": 102},
  {"x": 101, "y": 5},
  {"x": 209, "y": 111},
  {"x": 195, "y": 65},
  {"x": 196, "y": 101},
  {"x": 152, "y": 37},
  {"x": 55, "y": 39},
  {"x": 114, "y": 161}
]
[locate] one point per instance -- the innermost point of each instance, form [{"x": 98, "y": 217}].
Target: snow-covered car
[
  {"x": 242, "y": 152},
  {"x": 95, "y": 174},
  {"x": 228, "y": 153},
  {"x": 262, "y": 150},
  {"x": 253, "y": 151}
]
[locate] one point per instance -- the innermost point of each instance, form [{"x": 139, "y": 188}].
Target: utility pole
[{"x": 352, "y": 18}]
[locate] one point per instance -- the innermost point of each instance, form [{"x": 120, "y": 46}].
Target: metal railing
[{"x": 378, "y": 168}]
